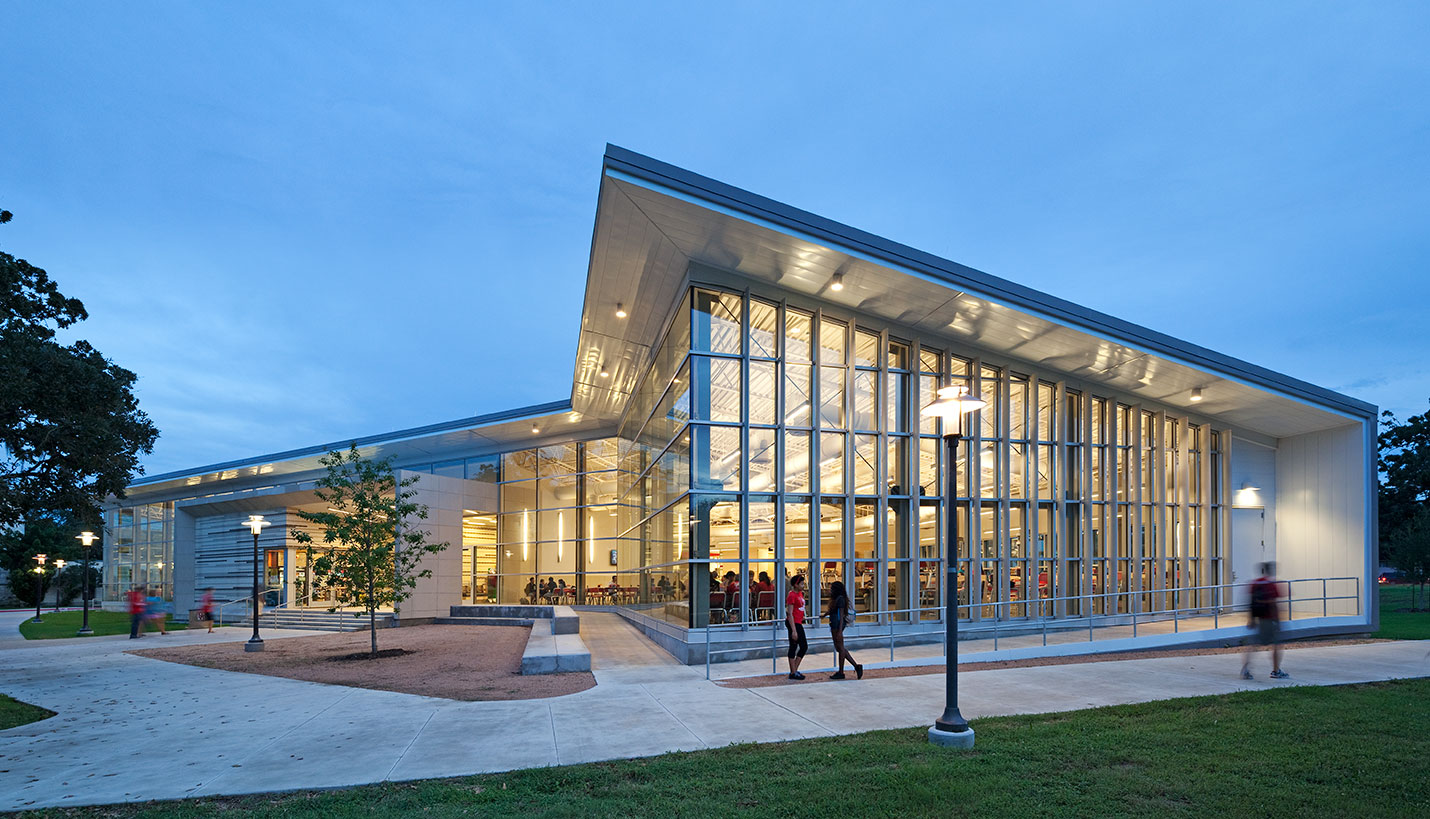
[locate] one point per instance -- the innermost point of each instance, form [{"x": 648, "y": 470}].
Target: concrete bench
[{"x": 551, "y": 652}]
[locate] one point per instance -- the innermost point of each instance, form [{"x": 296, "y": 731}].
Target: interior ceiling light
[
  {"x": 1248, "y": 486},
  {"x": 620, "y": 310},
  {"x": 605, "y": 373},
  {"x": 1196, "y": 393},
  {"x": 838, "y": 283}
]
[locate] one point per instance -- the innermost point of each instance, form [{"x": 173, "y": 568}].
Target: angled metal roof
[{"x": 654, "y": 221}]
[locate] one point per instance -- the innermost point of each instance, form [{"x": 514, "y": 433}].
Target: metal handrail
[
  {"x": 882, "y": 616},
  {"x": 221, "y": 606}
]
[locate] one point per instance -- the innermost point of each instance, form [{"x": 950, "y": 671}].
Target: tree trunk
[{"x": 372, "y": 617}]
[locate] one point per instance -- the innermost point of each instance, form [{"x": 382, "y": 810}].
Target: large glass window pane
[
  {"x": 929, "y": 473},
  {"x": 797, "y": 530},
  {"x": 897, "y": 465},
  {"x": 764, "y": 404},
  {"x": 930, "y": 361},
  {"x": 519, "y": 466},
  {"x": 831, "y": 532},
  {"x": 866, "y": 349},
  {"x": 716, "y": 458},
  {"x": 796, "y": 462},
  {"x": 764, "y": 329},
  {"x": 716, "y": 322},
  {"x": 798, "y": 407},
  {"x": 988, "y": 390},
  {"x": 716, "y": 388},
  {"x": 866, "y": 464},
  {"x": 1047, "y": 422},
  {"x": 866, "y": 531},
  {"x": 799, "y": 335},
  {"x": 898, "y": 355},
  {"x": 1018, "y": 407},
  {"x": 865, "y": 398},
  {"x": 832, "y": 341},
  {"x": 928, "y": 393},
  {"x": 762, "y": 460},
  {"x": 896, "y": 409},
  {"x": 831, "y": 397},
  {"x": 831, "y": 463}
]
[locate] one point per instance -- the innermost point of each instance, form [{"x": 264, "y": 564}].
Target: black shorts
[{"x": 798, "y": 646}]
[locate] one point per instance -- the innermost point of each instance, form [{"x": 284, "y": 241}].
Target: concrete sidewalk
[{"x": 131, "y": 728}]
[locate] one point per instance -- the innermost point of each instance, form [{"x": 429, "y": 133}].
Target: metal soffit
[{"x": 655, "y": 220}]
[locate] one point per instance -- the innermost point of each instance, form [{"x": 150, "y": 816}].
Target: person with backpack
[
  {"x": 841, "y": 616},
  {"x": 1265, "y": 621}
]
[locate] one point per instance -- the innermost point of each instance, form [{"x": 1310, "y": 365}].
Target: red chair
[
  {"x": 766, "y": 606},
  {"x": 717, "y": 606}
]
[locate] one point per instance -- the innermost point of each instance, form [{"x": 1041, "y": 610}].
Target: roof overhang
[{"x": 654, "y": 221}]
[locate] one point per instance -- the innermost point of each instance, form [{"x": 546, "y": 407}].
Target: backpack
[{"x": 848, "y": 612}]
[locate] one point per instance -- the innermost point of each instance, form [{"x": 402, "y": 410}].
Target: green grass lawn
[
  {"x": 66, "y": 624},
  {"x": 1397, "y": 622},
  {"x": 13, "y": 713},
  {"x": 1356, "y": 750}
]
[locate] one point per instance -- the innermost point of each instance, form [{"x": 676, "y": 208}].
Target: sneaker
[
  {"x": 838, "y": 675},
  {"x": 795, "y": 675},
  {"x": 1278, "y": 674},
  {"x": 1245, "y": 673},
  {"x": 858, "y": 671}
]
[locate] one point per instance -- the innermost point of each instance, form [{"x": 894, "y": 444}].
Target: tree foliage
[
  {"x": 1404, "y": 466},
  {"x": 71, "y": 431},
  {"x": 372, "y": 547},
  {"x": 1409, "y": 552},
  {"x": 53, "y": 537}
]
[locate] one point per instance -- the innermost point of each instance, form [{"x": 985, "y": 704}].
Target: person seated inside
[
  {"x": 732, "y": 594},
  {"x": 764, "y": 595},
  {"x": 530, "y": 591}
]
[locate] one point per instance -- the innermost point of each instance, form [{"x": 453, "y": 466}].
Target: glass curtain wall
[
  {"x": 770, "y": 440},
  {"x": 139, "y": 548}
]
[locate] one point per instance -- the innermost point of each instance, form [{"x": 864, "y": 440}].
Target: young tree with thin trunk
[{"x": 373, "y": 547}]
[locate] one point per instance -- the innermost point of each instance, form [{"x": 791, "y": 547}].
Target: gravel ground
[
  {"x": 455, "y": 662},
  {"x": 873, "y": 673}
]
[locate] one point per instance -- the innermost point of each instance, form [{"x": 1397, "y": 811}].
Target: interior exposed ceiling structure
[{"x": 655, "y": 221}]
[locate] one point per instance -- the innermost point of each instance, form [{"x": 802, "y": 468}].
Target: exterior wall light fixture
[
  {"x": 1196, "y": 394},
  {"x": 620, "y": 310},
  {"x": 838, "y": 283}
]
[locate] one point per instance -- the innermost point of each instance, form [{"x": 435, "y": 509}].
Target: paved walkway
[{"x": 131, "y": 728}]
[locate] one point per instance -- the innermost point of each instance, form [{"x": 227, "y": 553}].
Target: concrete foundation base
[
  {"x": 951, "y": 739},
  {"x": 252, "y": 646}
]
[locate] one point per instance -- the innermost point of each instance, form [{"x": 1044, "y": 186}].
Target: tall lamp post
[
  {"x": 86, "y": 540},
  {"x": 59, "y": 567},
  {"x": 953, "y": 405},
  {"x": 255, "y": 524},
  {"x": 39, "y": 585}
]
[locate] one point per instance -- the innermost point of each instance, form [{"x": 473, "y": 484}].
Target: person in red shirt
[
  {"x": 136, "y": 611},
  {"x": 794, "y": 622},
  {"x": 1265, "y": 621}
]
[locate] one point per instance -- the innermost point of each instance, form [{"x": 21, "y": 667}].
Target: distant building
[{"x": 747, "y": 393}]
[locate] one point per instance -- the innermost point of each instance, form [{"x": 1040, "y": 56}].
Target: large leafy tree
[
  {"x": 372, "y": 546},
  {"x": 1404, "y": 475},
  {"x": 50, "y": 536},
  {"x": 1409, "y": 552},
  {"x": 71, "y": 431}
]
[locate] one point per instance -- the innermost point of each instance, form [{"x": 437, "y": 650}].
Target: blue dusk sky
[{"x": 302, "y": 222}]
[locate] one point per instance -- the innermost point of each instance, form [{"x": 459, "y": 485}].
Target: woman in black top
[{"x": 839, "y": 611}]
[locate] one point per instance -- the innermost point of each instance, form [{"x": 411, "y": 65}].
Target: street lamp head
[
  {"x": 60, "y": 565},
  {"x": 255, "y": 524},
  {"x": 40, "y": 559},
  {"x": 86, "y": 538},
  {"x": 952, "y": 404}
]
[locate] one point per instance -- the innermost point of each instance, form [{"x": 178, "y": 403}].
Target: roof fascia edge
[
  {"x": 762, "y": 208},
  {"x": 549, "y": 408}
]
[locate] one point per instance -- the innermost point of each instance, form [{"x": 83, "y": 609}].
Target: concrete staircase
[{"x": 310, "y": 620}]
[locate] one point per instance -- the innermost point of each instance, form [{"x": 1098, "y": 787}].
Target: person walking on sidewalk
[
  {"x": 206, "y": 608},
  {"x": 794, "y": 623},
  {"x": 841, "y": 616},
  {"x": 1265, "y": 621}
]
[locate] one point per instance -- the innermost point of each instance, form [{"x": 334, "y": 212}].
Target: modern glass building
[{"x": 746, "y": 407}]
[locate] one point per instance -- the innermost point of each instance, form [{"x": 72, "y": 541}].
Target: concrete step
[
  {"x": 483, "y": 621},
  {"x": 564, "y": 619}
]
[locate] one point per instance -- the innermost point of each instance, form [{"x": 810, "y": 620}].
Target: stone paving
[{"x": 132, "y": 728}]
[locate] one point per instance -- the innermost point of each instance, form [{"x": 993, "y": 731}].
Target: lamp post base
[
  {"x": 253, "y": 645},
  {"x": 951, "y": 739},
  {"x": 84, "y": 632}
]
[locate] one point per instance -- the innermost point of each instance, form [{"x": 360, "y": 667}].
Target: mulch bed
[
  {"x": 455, "y": 662},
  {"x": 769, "y": 680}
]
